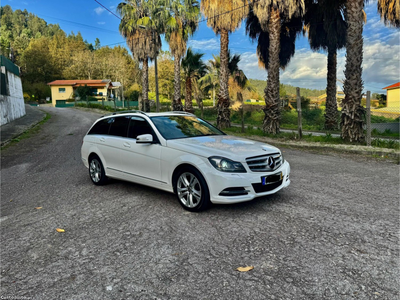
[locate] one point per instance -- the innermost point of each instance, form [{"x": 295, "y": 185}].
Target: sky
[{"x": 307, "y": 69}]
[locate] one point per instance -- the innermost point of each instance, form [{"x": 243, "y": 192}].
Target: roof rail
[
  {"x": 124, "y": 112},
  {"x": 182, "y": 112}
]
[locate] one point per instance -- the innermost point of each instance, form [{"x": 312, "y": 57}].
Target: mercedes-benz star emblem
[{"x": 271, "y": 162}]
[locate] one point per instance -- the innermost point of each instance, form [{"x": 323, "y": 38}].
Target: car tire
[
  {"x": 96, "y": 171},
  {"x": 192, "y": 190}
]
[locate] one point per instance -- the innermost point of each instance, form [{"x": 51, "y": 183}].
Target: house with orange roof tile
[
  {"x": 393, "y": 95},
  {"x": 63, "y": 90}
]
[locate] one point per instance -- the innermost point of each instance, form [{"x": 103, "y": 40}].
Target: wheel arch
[
  {"x": 181, "y": 167},
  {"x": 99, "y": 156}
]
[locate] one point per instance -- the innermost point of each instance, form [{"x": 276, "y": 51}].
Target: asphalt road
[{"x": 333, "y": 234}]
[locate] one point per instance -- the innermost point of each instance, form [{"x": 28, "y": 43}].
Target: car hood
[{"x": 228, "y": 146}]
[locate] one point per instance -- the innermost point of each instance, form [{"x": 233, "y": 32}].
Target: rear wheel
[
  {"x": 192, "y": 190},
  {"x": 96, "y": 171}
]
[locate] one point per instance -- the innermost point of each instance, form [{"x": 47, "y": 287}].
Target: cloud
[
  {"x": 99, "y": 10},
  {"x": 211, "y": 44},
  {"x": 249, "y": 64},
  {"x": 381, "y": 64},
  {"x": 101, "y": 23}
]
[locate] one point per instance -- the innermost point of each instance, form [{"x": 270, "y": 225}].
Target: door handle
[
  {"x": 102, "y": 140},
  {"x": 127, "y": 145}
]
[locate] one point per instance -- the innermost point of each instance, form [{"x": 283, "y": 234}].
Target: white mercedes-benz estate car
[{"x": 183, "y": 154}]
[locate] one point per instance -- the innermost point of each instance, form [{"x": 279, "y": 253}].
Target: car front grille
[
  {"x": 261, "y": 163},
  {"x": 259, "y": 188}
]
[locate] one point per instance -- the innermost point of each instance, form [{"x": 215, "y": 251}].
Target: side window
[
  {"x": 101, "y": 127},
  {"x": 120, "y": 126},
  {"x": 138, "y": 126}
]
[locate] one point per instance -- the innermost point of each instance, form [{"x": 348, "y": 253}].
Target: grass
[
  {"x": 28, "y": 133},
  {"x": 323, "y": 139}
]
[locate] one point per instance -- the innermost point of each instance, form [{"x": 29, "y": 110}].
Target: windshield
[{"x": 177, "y": 127}]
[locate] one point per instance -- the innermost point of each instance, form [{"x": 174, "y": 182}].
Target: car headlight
[{"x": 226, "y": 165}]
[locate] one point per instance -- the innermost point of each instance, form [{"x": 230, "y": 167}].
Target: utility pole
[{"x": 299, "y": 125}]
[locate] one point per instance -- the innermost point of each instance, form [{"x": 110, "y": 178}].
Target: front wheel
[
  {"x": 192, "y": 190},
  {"x": 96, "y": 171}
]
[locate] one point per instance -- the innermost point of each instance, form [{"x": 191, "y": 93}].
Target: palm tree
[
  {"x": 224, "y": 17},
  {"x": 210, "y": 81},
  {"x": 275, "y": 43},
  {"x": 326, "y": 30},
  {"x": 352, "y": 112},
  {"x": 182, "y": 21},
  {"x": 270, "y": 14},
  {"x": 390, "y": 12},
  {"x": 193, "y": 68},
  {"x": 137, "y": 27}
]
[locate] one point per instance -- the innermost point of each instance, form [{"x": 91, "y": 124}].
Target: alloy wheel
[{"x": 189, "y": 190}]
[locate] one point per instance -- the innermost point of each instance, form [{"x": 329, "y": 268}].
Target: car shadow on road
[{"x": 264, "y": 203}]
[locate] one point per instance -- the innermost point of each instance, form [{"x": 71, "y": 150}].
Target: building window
[{"x": 61, "y": 90}]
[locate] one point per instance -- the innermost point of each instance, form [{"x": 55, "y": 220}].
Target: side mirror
[{"x": 144, "y": 139}]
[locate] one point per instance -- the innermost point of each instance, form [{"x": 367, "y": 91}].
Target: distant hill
[{"x": 260, "y": 85}]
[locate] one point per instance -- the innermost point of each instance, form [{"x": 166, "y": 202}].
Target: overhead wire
[{"x": 206, "y": 19}]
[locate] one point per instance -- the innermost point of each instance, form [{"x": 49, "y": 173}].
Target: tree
[
  {"x": 36, "y": 63},
  {"x": 224, "y": 17},
  {"x": 272, "y": 23},
  {"x": 210, "y": 81},
  {"x": 238, "y": 75},
  {"x": 390, "y": 12},
  {"x": 166, "y": 76},
  {"x": 84, "y": 91},
  {"x": 326, "y": 30},
  {"x": 83, "y": 66},
  {"x": 352, "y": 119},
  {"x": 193, "y": 68},
  {"x": 137, "y": 28},
  {"x": 97, "y": 44},
  {"x": 182, "y": 22}
]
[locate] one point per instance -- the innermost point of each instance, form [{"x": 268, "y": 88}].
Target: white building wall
[{"x": 12, "y": 107}]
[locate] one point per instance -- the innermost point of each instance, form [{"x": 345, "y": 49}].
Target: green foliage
[
  {"x": 380, "y": 119},
  {"x": 84, "y": 91},
  {"x": 38, "y": 90},
  {"x": 134, "y": 95},
  {"x": 45, "y": 53},
  {"x": 384, "y": 143},
  {"x": 380, "y": 97},
  {"x": 312, "y": 119},
  {"x": 260, "y": 85}
]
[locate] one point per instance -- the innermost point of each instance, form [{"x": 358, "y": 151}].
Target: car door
[
  {"x": 99, "y": 136},
  {"x": 115, "y": 143},
  {"x": 141, "y": 162}
]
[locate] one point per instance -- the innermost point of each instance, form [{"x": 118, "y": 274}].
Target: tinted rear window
[
  {"x": 101, "y": 127},
  {"x": 120, "y": 126}
]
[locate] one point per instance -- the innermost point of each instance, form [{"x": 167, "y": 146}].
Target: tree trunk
[
  {"x": 352, "y": 112},
  {"x": 213, "y": 92},
  {"x": 145, "y": 86},
  {"x": 224, "y": 114},
  {"x": 331, "y": 111},
  {"x": 188, "y": 98},
  {"x": 272, "y": 108},
  {"x": 177, "y": 103}
]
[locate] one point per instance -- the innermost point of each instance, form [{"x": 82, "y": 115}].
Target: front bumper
[{"x": 224, "y": 187}]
